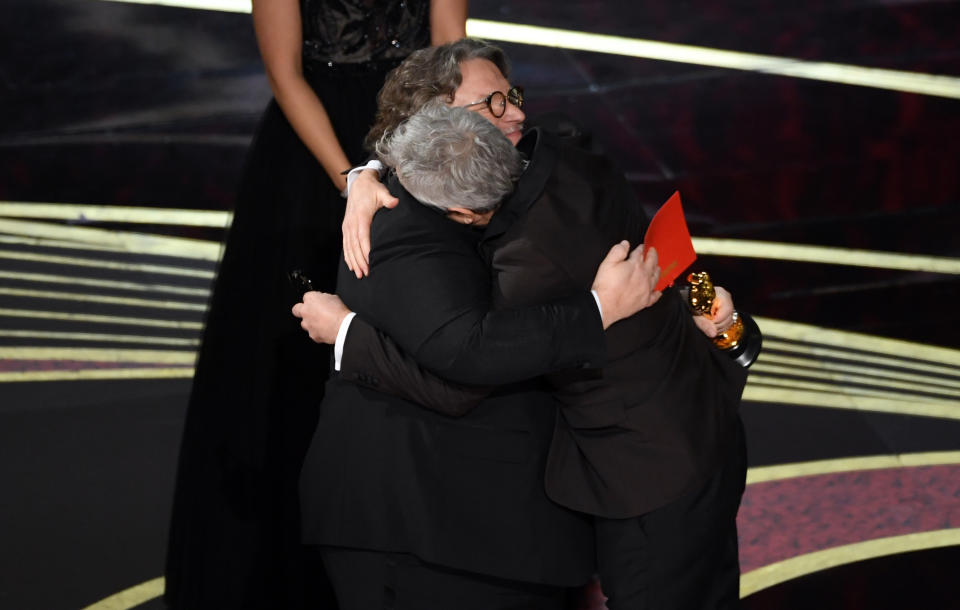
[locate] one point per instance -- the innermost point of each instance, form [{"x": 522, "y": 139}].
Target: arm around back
[
  {"x": 372, "y": 359},
  {"x": 430, "y": 292}
]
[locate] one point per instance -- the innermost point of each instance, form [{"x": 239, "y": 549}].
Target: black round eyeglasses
[{"x": 497, "y": 101}]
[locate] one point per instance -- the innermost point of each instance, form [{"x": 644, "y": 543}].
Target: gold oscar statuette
[{"x": 743, "y": 339}]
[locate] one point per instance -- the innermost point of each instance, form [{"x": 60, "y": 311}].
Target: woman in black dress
[{"x": 234, "y": 537}]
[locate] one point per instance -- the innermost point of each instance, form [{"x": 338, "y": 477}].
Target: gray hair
[{"x": 452, "y": 157}]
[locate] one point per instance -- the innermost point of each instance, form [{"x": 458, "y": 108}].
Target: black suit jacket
[
  {"x": 649, "y": 426},
  {"x": 653, "y": 422},
  {"x": 468, "y": 493}
]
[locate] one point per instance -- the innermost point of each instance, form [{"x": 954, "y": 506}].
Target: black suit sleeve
[
  {"x": 496, "y": 347},
  {"x": 372, "y": 359},
  {"x": 480, "y": 346}
]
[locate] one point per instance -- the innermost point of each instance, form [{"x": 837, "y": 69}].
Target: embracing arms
[{"x": 506, "y": 346}]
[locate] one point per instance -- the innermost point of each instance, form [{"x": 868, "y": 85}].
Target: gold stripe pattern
[{"x": 795, "y": 567}]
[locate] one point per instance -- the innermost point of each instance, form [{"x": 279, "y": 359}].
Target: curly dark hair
[{"x": 426, "y": 75}]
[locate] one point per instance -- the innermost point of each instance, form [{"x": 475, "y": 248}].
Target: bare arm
[
  {"x": 278, "y": 28},
  {"x": 448, "y": 21}
]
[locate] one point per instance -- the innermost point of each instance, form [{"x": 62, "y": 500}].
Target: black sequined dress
[{"x": 234, "y": 537}]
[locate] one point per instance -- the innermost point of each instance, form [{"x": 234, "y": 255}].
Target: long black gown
[{"x": 234, "y": 535}]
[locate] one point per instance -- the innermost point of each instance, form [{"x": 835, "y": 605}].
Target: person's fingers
[
  {"x": 363, "y": 245},
  {"x": 354, "y": 263},
  {"x": 617, "y": 253},
  {"x": 723, "y": 302},
  {"x": 347, "y": 258},
  {"x": 705, "y": 326},
  {"x": 651, "y": 257},
  {"x": 296, "y": 310},
  {"x": 359, "y": 267},
  {"x": 722, "y": 315},
  {"x": 382, "y": 197},
  {"x": 347, "y": 254}
]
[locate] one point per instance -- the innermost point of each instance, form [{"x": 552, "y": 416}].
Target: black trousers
[
  {"x": 371, "y": 580},
  {"x": 682, "y": 556}
]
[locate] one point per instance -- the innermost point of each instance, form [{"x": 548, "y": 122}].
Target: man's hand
[
  {"x": 320, "y": 315},
  {"x": 721, "y": 314},
  {"x": 625, "y": 282},
  {"x": 367, "y": 195}
]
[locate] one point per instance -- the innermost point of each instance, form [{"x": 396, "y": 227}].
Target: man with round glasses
[
  {"x": 496, "y": 102},
  {"x": 660, "y": 468}
]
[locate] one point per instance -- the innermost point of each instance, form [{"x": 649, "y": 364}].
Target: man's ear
[{"x": 463, "y": 216}]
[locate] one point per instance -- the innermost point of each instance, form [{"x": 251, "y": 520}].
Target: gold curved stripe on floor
[
  {"x": 98, "y": 354},
  {"x": 98, "y": 319},
  {"x": 849, "y": 257},
  {"x": 140, "y": 243},
  {"x": 853, "y": 391},
  {"x": 110, "y": 213},
  {"x": 868, "y": 373},
  {"x": 73, "y": 280},
  {"x": 101, "y": 298},
  {"x": 750, "y": 583},
  {"x": 817, "y": 351},
  {"x": 104, "y": 264},
  {"x": 214, "y": 218},
  {"x": 844, "y": 380},
  {"x": 818, "y": 335},
  {"x": 129, "y": 598},
  {"x": 96, "y": 374},
  {"x": 97, "y": 337},
  {"x": 880, "y": 78},
  {"x": 795, "y": 567},
  {"x": 56, "y": 243},
  {"x": 778, "y": 472},
  {"x": 769, "y": 391}
]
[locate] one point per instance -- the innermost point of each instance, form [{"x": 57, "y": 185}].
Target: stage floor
[{"x": 818, "y": 168}]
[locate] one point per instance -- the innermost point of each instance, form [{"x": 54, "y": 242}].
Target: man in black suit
[
  {"x": 415, "y": 509},
  {"x": 651, "y": 446}
]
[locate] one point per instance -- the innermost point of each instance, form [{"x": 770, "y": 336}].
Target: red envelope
[{"x": 668, "y": 233}]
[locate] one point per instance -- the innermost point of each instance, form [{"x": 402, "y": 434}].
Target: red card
[{"x": 668, "y": 233}]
